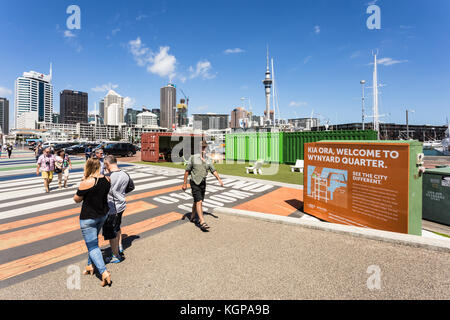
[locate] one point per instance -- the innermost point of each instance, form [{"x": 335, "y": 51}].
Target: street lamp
[{"x": 362, "y": 82}]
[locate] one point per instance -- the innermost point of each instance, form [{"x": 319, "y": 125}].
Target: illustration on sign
[{"x": 328, "y": 184}]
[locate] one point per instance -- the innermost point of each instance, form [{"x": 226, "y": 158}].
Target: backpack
[{"x": 130, "y": 186}]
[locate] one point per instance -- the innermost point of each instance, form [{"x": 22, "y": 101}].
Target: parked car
[
  {"x": 79, "y": 148},
  {"x": 120, "y": 149},
  {"x": 59, "y": 146}
]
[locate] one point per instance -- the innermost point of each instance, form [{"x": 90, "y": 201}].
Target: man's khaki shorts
[{"x": 47, "y": 175}]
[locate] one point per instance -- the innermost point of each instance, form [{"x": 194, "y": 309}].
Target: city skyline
[{"x": 321, "y": 51}]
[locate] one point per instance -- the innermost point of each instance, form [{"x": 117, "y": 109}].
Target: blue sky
[{"x": 216, "y": 52}]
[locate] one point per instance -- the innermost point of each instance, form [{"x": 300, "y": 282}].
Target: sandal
[{"x": 204, "y": 226}]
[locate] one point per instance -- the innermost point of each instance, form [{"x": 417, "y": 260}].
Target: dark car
[
  {"x": 61, "y": 146},
  {"x": 120, "y": 149},
  {"x": 79, "y": 148}
]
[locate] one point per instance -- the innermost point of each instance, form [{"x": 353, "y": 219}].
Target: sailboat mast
[{"x": 375, "y": 98}]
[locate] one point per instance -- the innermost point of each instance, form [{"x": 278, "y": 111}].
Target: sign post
[{"x": 374, "y": 184}]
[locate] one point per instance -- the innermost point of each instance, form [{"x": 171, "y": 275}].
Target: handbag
[{"x": 58, "y": 167}]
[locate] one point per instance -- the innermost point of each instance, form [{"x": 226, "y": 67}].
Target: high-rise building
[
  {"x": 73, "y": 107},
  {"x": 182, "y": 113},
  {"x": 113, "y": 98},
  {"x": 238, "y": 116},
  {"x": 101, "y": 106},
  {"x": 210, "y": 121},
  {"x": 4, "y": 115},
  {"x": 168, "y": 106},
  {"x": 157, "y": 111},
  {"x": 56, "y": 117},
  {"x": 113, "y": 114},
  {"x": 131, "y": 116},
  {"x": 34, "y": 93}
]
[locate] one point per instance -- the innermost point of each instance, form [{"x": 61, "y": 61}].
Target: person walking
[
  {"x": 120, "y": 181},
  {"x": 9, "y": 150},
  {"x": 198, "y": 167},
  {"x": 87, "y": 152},
  {"x": 63, "y": 166},
  {"x": 100, "y": 156},
  {"x": 93, "y": 192},
  {"x": 1, "y": 148},
  {"x": 38, "y": 151},
  {"x": 46, "y": 164}
]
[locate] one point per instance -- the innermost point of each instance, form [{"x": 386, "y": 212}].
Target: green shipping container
[
  {"x": 282, "y": 147},
  {"x": 252, "y": 146},
  {"x": 230, "y": 153},
  {"x": 293, "y": 142},
  {"x": 241, "y": 148},
  {"x": 436, "y": 195}
]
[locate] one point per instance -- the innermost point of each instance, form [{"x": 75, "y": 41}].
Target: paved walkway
[
  {"x": 39, "y": 231},
  {"x": 40, "y": 238},
  {"x": 248, "y": 259}
]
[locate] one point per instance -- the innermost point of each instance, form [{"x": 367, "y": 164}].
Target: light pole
[
  {"x": 362, "y": 82},
  {"x": 407, "y": 123}
]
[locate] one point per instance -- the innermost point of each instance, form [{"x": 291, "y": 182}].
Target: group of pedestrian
[
  {"x": 48, "y": 164},
  {"x": 8, "y": 148},
  {"x": 104, "y": 201}
]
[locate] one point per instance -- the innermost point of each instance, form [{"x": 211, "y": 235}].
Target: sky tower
[{"x": 267, "y": 84}]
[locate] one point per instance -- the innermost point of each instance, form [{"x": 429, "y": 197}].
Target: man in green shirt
[{"x": 198, "y": 167}]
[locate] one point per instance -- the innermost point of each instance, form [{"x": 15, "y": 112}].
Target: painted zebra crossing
[{"x": 40, "y": 231}]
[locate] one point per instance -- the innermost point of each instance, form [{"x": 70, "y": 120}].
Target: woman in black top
[{"x": 93, "y": 191}]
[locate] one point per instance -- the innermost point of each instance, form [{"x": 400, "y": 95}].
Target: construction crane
[{"x": 187, "y": 98}]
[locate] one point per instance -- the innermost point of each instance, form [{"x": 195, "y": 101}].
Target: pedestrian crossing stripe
[
  {"x": 43, "y": 259},
  {"x": 52, "y": 229}
]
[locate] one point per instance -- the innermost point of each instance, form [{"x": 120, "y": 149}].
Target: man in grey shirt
[
  {"x": 117, "y": 205},
  {"x": 198, "y": 167}
]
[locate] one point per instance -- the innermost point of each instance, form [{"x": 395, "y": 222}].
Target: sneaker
[
  {"x": 115, "y": 259},
  {"x": 120, "y": 249}
]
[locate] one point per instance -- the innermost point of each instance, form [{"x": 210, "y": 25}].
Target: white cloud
[
  {"x": 388, "y": 61},
  {"x": 141, "y": 17},
  {"x": 163, "y": 64},
  {"x": 69, "y": 34},
  {"x": 235, "y": 50},
  {"x": 105, "y": 87},
  {"x": 298, "y": 104},
  {"x": 5, "y": 92},
  {"x": 306, "y": 60},
  {"x": 128, "y": 102},
  {"x": 139, "y": 51},
  {"x": 70, "y": 38},
  {"x": 316, "y": 29},
  {"x": 114, "y": 31},
  {"x": 202, "y": 70},
  {"x": 355, "y": 54}
]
